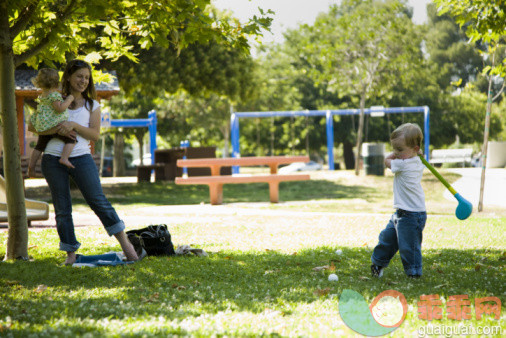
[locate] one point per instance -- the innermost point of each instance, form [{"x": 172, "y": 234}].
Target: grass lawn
[{"x": 258, "y": 278}]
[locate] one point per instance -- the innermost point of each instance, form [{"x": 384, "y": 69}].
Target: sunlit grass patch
[{"x": 260, "y": 276}]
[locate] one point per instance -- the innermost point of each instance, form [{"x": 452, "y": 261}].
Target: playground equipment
[
  {"x": 373, "y": 111},
  {"x": 150, "y": 123},
  {"x": 35, "y": 210},
  {"x": 185, "y": 144}
]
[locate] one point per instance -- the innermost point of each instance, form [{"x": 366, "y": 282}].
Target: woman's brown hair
[{"x": 89, "y": 93}]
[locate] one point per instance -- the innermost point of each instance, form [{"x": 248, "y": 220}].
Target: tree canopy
[
  {"x": 485, "y": 23},
  {"x": 50, "y": 32}
]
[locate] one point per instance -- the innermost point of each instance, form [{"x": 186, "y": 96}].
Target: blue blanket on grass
[{"x": 110, "y": 258}]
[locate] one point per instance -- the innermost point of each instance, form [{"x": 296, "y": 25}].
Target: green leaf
[{"x": 93, "y": 58}]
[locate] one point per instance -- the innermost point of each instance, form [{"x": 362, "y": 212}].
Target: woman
[{"x": 84, "y": 125}]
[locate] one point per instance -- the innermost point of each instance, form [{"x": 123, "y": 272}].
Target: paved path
[{"x": 468, "y": 186}]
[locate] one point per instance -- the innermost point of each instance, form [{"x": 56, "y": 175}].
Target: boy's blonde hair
[
  {"x": 411, "y": 132},
  {"x": 47, "y": 78}
]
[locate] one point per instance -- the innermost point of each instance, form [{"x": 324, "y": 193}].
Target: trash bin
[
  {"x": 374, "y": 158},
  {"x": 169, "y": 158}
]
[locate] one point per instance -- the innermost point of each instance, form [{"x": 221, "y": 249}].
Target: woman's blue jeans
[
  {"x": 85, "y": 175},
  {"x": 404, "y": 234}
]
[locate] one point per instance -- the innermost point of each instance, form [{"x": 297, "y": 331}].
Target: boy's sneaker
[
  {"x": 377, "y": 271},
  {"x": 414, "y": 276}
]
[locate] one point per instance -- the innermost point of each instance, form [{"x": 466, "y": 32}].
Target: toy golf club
[{"x": 465, "y": 208}]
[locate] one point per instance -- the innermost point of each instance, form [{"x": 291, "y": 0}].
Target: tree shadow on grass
[
  {"x": 181, "y": 287},
  {"x": 167, "y": 193}
]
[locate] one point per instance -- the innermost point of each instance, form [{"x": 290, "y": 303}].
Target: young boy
[{"x": 404, "y": 231}]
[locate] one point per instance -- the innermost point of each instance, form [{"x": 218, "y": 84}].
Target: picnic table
[{"x": 216, "y": 181}]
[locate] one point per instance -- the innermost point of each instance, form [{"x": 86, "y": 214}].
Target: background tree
[
  {"x": 209, "y": 72},
  {"x": 456, "y": 65},
  {"x": 455, "y": 60},
  {"x": 287, "y": 85},
  {"x": 48, "y": 31},
  {"x": 294, "y": 76},
  {"x": 485, "y": 22},
  {"x": 469, "y": 122},
  {"x": 363, "y": 46}
]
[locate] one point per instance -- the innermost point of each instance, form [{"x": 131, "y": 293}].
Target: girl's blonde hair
[
  {"x": 47, "y": 78},
  {"x": 411, "y": 132}
]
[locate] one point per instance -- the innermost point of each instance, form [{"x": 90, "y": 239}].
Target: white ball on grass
[
  {"x": 333, "y": 277},
  {"x": 339, "y": 252}
]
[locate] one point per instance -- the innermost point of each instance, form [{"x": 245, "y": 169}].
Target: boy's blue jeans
[
  {"x": 404, "y": 234},
  {"x": 85, "y": 175}
]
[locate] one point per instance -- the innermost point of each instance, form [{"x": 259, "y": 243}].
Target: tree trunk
[
  {"x": 140, "y": 140},
  {"x": 485, "y": 144},
  {"x": 17, "y": 240},
  {"x": 102, "y": 155},
  {"x": 118, "y": 156},
  {"x": 226, "y": 134},
  {"x": 359, "y": 134},
  {"x": 349, "y": 158}
]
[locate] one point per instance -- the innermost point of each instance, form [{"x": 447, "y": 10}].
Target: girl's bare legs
[
  {"x": 126, "y": 246},
  {"x": 67, "y": 149},
  {"x": 33, "y": 162},
  {"x": 71, "y": 258}
]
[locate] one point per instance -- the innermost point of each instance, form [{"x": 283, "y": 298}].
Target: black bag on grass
[{"x": 155, "y": 239}]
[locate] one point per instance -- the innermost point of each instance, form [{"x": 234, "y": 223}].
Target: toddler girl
[{"x": 51, "y": 110}]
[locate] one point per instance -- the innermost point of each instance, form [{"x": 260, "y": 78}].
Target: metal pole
[
  {"x": 152, "y": 134},
  {"x": 185, "y": 145},
  {"x": 234, "y": 136},
  {"x": 330, "y": 139}
]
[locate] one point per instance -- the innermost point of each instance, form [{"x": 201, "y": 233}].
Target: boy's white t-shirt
[
  {"x": 408, "y": 192},
  {"x": 81, "y": 116}
]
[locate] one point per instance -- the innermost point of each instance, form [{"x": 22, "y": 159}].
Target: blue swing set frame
[{"x": 373, "y": 111}]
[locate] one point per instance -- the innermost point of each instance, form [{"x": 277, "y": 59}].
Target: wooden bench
[
  {"x": 440, "y": 156},
  {"x": 144, "y": 171},
  {"x": 216, "y": 181}
]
